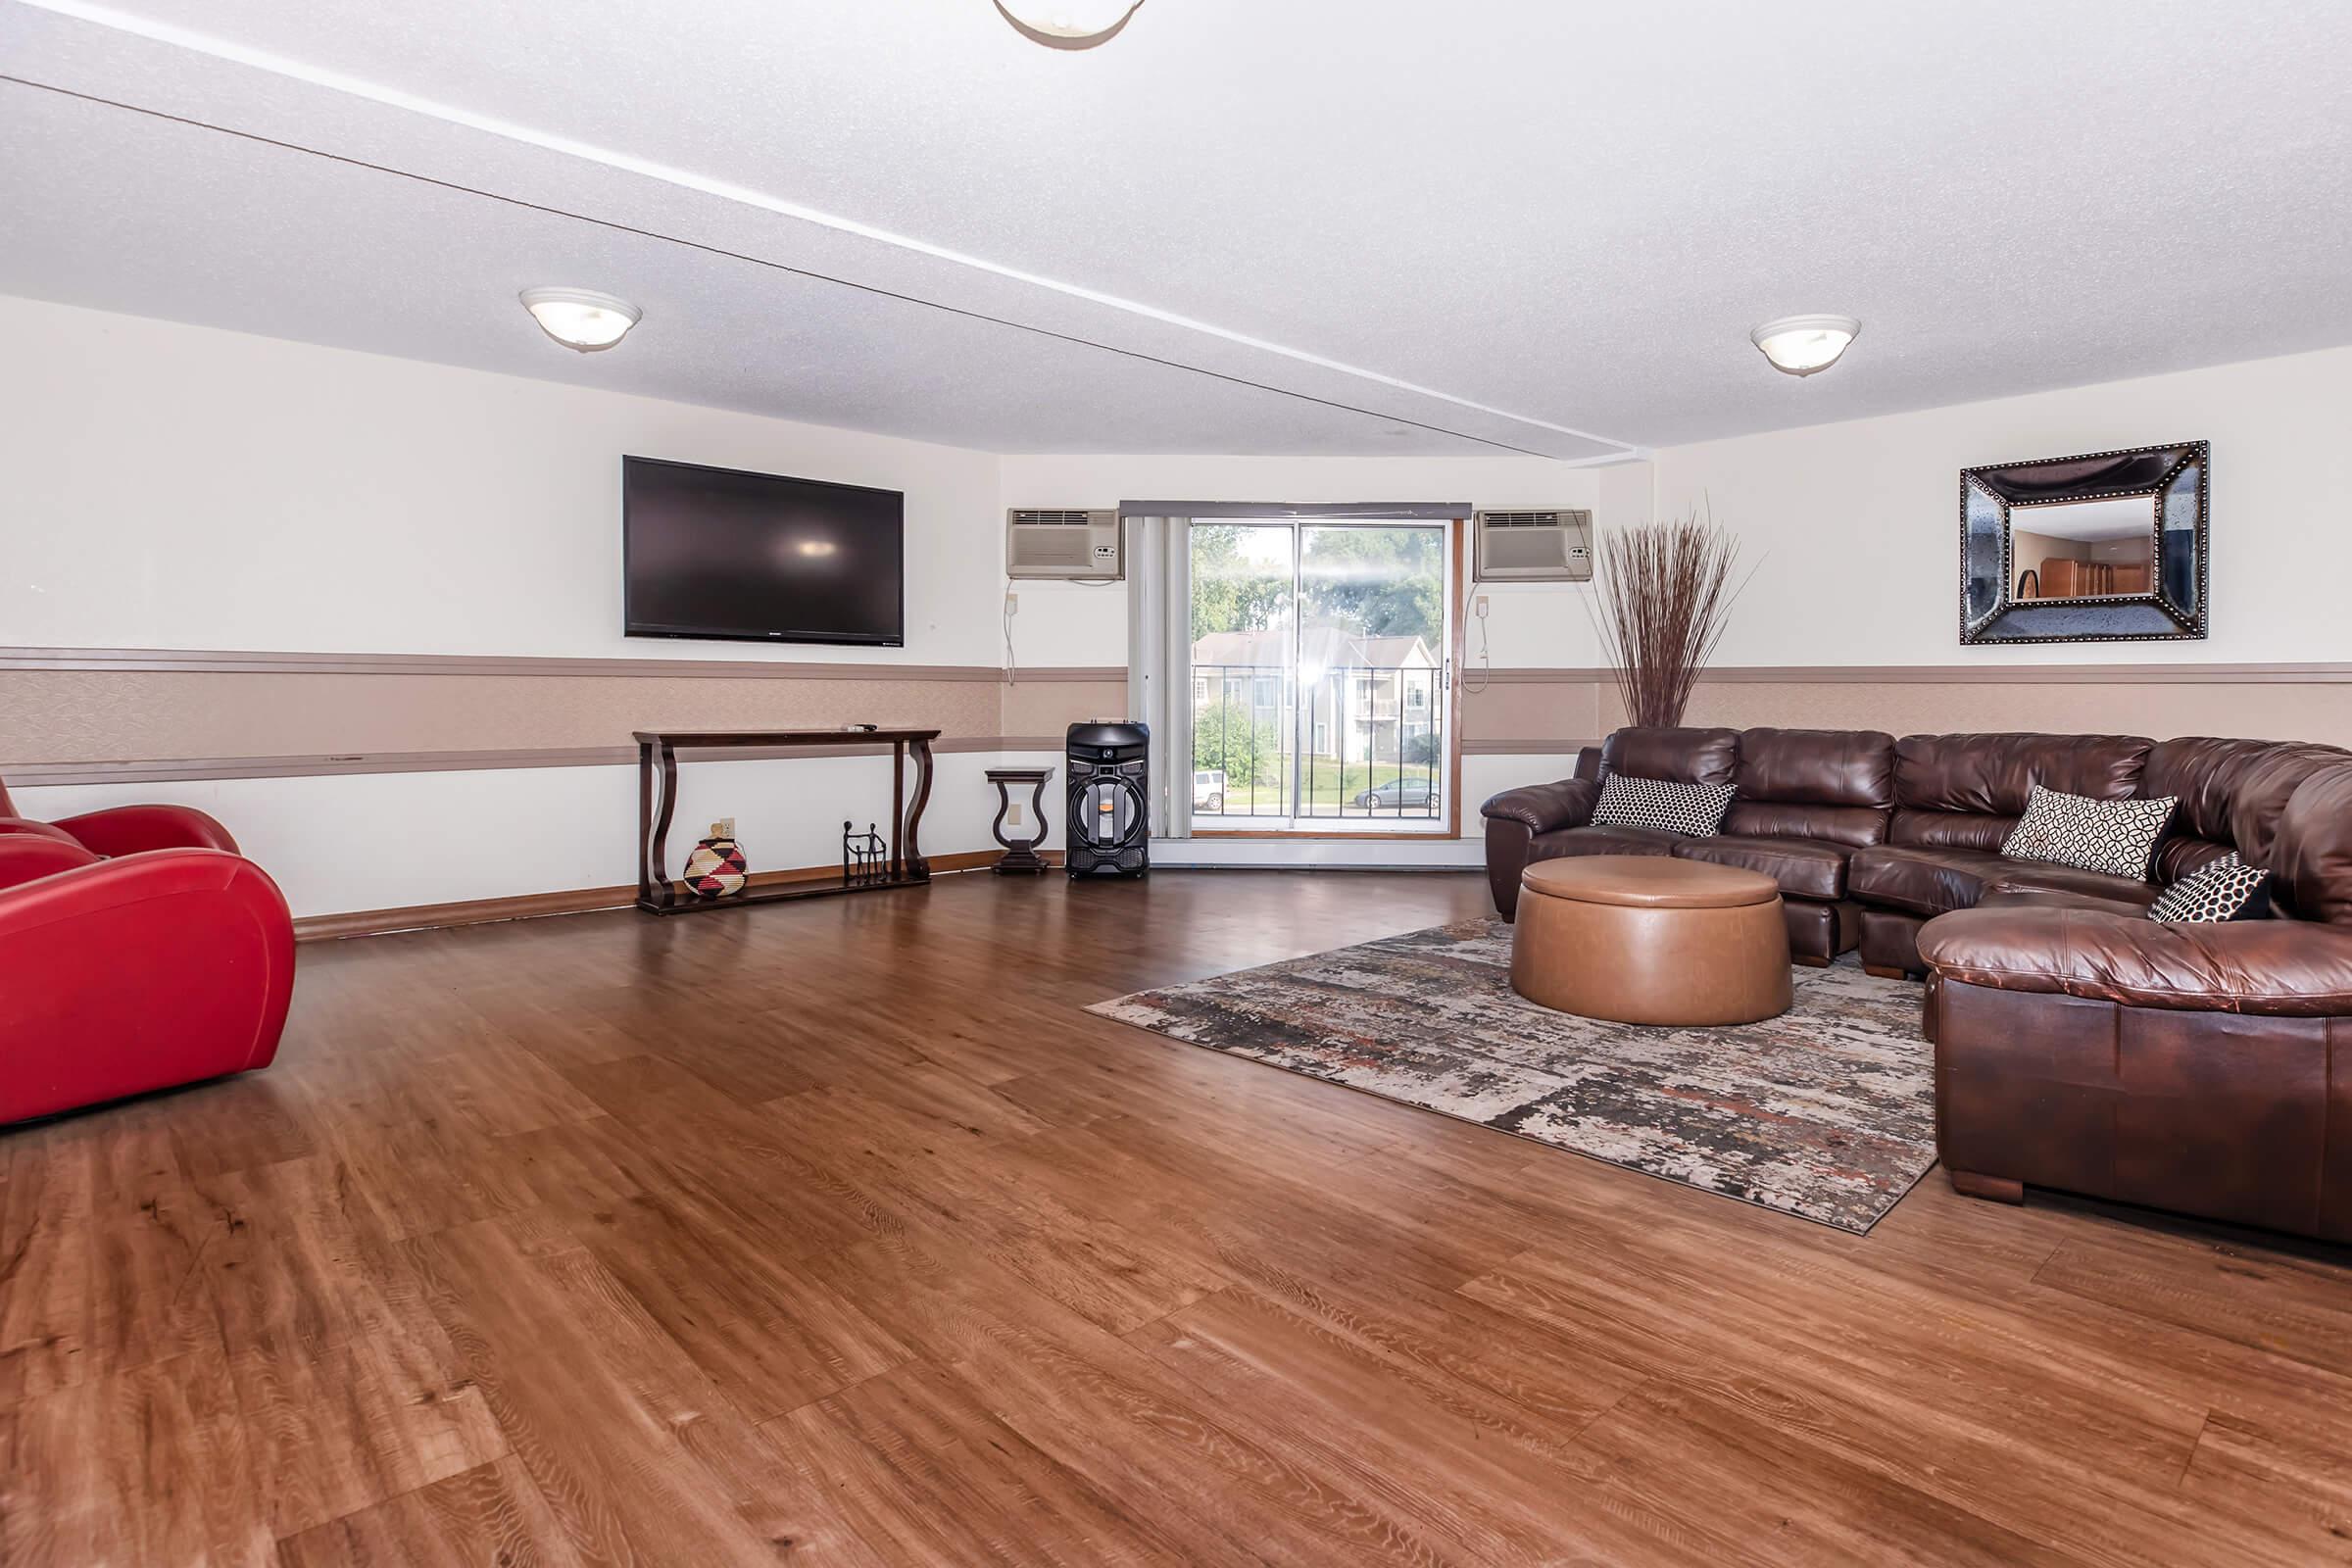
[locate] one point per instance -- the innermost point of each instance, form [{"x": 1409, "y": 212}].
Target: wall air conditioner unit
[
  {"x": 1063, "y": 545},
  {"x": 1533, "y": 546}
]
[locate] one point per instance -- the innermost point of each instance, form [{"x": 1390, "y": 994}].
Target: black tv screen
[{"x": 758, "y": 558}]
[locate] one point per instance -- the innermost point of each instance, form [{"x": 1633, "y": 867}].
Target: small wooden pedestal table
[
  {"x": 658, "y": 798},
  {"x": 1020, "y": 854}
]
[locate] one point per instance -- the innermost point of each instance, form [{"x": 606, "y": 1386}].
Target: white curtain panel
[{"x": 1159, "y": 662}]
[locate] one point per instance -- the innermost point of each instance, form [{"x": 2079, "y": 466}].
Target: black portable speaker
[{"x": 1109, "y": 822}]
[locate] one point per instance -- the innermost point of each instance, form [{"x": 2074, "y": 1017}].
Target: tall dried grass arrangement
[{"x": 1665, "y": 596}]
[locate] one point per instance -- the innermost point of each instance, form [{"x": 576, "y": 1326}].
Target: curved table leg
[
  {"x": 1036, "y": 809},
  {"x": 657, "y": 802},
  {"x": 916, "y": 866}
]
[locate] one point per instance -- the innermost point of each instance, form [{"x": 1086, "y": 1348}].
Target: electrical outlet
[
  {"x": 1482, "y": 607},
  {"x": 723, "y": 828},
  {"x": 1012, "y": 603},
  {"x": 1012, "y": 816}
]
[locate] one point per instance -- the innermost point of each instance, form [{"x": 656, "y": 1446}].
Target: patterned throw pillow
[
  {"x": 1691, "y": 810},
  {"x": 2117, "y": 837},
  {"x": 2227, "y": 889}
]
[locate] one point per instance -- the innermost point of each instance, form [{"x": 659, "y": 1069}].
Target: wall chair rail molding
[
  {"x": 1524, "y": 745},
  {"x": 83, "y": 714},
  {"x": 2048, "y": 674},
  {"x": 1540, "y": 710},
  {"x": 200, "y": 661},
  {"x": 34, "y": 775}
]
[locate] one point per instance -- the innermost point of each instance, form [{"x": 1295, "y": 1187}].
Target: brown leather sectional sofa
[{"x": 2079, "y": 1044}]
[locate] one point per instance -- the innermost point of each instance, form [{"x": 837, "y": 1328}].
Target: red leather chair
[{"x": 137, "y": 951}]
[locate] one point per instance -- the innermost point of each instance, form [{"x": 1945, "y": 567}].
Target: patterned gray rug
[{"x": 1825, "y": 1111}]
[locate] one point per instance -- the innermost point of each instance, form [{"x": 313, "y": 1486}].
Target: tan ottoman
[{"x": 1646, "y": 939}]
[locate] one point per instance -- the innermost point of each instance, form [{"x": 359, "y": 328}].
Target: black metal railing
[{"x": 1355, "y": 741}]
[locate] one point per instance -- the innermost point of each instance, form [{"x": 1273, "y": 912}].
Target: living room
[{"x": 1308, "y": 784}]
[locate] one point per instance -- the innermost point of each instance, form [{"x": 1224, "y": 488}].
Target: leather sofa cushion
[
  {"x": 1834, "y": 784},
  {"x": 2049, "y": 899},
  {"x": 2232, "y": 792},
  {"x": 2311, "y": 859},
  {"x": 1851, "y": 825},
  {"x": 1684, "y": 755},
  {"x": 1817, "y": 767},
  {"x": 2178, "y": 857},
  {"x": 1950, "y": 830},
  {"x": 1922, "y": 879},
  {"x": 1806, "y": 867},
  {"x": 1927, "y": 879},
  {"x": 1602, "y": 841},
  {"x": 1991, "y": 775},
  {"x": 2036, "y": 876},
  {"x": 2288, "y": 968}
]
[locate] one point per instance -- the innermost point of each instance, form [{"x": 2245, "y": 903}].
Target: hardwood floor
[{"x": 837, "y": 1233}]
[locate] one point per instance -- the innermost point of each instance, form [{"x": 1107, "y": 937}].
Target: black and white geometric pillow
[
  {"x": 2117, "y": 837},
  {"x": 1691, "y": 810},
  {"x": 2227, "y": 889}
]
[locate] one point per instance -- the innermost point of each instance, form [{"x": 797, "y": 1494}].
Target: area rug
[{"x": 1826, "y": 1112}]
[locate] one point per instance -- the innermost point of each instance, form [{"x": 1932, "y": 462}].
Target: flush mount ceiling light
[
  {"x": 580, "y": 319},
  {"x": 1803, "y": 344},
  {"x": 1069, "y": 24}
]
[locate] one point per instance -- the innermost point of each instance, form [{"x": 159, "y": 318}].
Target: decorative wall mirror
[{"x": 2105, "y": 547}]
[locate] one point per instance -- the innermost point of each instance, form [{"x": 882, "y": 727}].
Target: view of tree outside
[
  {"x": 1332, "y": 688},
  {"x": 1375, "y": 582},
  {"x": 1241, "y": 577},
  {"x": 1243, "y": 746}
]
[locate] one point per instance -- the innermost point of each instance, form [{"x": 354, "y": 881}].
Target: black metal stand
[{"x": 1020, "y": 854}]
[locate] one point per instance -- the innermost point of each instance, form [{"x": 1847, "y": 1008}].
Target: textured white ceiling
[{"x": 1479, "y": 222}]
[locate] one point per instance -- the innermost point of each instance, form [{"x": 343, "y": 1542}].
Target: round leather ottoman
[{"x": 1649, "y": 939}]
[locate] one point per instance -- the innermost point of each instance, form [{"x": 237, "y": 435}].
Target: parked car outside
[
  {"x": 1398, "y": 791},
  {"x": 1208, "y": 791}
]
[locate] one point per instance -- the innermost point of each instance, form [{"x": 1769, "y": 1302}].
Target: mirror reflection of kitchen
[{"x": 2085, "y": 549}]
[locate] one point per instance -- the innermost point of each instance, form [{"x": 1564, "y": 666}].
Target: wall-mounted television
[{"x": 722, "y": 554}]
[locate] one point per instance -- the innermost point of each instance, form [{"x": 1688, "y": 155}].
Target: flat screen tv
[{"x": 722, "y": 554}]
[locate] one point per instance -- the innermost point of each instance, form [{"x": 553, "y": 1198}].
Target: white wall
[
  {"x": 172, "y": 486},
  {"x": 1856, "y": 525},
  {"x": 168, "y": 486}
]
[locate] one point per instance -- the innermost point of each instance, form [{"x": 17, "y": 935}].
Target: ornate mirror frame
[{"x": 2173, "y": 479}]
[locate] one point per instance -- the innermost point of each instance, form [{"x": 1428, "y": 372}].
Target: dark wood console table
[{"x": 658, "y": 798}]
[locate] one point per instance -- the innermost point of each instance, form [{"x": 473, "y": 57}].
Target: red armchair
[{"x": 137, "y": 951}]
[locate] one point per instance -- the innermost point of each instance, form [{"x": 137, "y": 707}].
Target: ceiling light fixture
[
  {"x": 580, "y": 319},
  {"x": 1801, "y": 345},
  {"x": 1069, "y": 24}
]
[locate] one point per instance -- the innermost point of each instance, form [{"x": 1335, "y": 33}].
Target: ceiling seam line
[
  {"x": 1625, "y": 451},
  {"x": 399, "y": 99}
]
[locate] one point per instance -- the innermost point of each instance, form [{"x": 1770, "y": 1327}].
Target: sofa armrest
[
  {"x": 29, "y": 857},
  {"x": 2281, "y": 968},
  {"x": 24, "y": 827},
  {"x": 1547, "y": 807},
  {"x": 126, "y": 975},
  {"x": 133, "y": 829}
]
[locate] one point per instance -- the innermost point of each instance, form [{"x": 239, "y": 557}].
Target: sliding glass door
[{"x": 1320, "y": 676}]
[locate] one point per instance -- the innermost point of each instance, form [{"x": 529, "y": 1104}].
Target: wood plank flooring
[{"x": 837, "y": 1233}]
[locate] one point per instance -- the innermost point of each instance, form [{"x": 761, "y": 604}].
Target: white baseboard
[{"x": 1399, "y": 853}]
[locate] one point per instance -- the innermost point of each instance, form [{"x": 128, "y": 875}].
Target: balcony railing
[{"x": 1367, "y": 742}]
